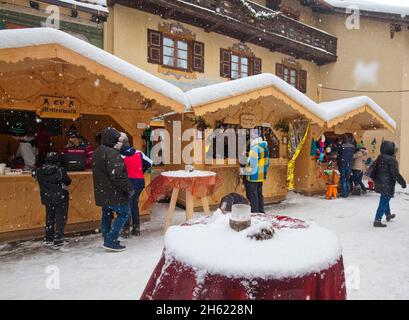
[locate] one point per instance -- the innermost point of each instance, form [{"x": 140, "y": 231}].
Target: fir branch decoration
[
  {"x": 262, "y": 15},
  {"x": 282, "y": 126},
  {"x": 200, "y": 123}
]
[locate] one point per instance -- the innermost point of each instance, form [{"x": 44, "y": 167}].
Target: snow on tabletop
[
  {"x": 400, "y": 7},
  {"x": 39, "y": 36},
  {"x": 217, "y": 249},
  {"x": 187, "y": 174}
]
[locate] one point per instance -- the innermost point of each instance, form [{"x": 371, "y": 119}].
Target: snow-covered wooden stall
[
  {"x": 49, "y": 75},
  {"x": 353, "y": 116},
  {"x": 264, "y": 102}
]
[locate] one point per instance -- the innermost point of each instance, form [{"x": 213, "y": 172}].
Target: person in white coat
[{"x": 27, "y": 149}]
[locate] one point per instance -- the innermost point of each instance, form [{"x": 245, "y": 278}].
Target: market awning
[
  {"x": 264, "y": 90},
  {"x": 357, "y": 113},
  {"x": 41, "y": 65},
  {"x": 272, "y": 93}
]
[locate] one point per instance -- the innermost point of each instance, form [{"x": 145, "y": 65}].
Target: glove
[{"x": 404, "y": 186}]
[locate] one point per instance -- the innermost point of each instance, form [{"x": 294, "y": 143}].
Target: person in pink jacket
[{"x": 137, "y": 163}]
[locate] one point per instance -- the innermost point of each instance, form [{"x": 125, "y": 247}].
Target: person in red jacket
[{"x": 137, "y": 163}]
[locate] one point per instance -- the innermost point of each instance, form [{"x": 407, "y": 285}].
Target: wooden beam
[
  {"x": 168, "y": 13},
  {"x": 214, "y": 26},
  {"x": 250, "y": 38}
]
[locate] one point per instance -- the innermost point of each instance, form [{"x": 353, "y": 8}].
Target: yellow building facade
[{"x": 126, "y": 35}]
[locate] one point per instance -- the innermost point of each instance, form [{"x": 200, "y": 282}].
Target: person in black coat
[
  {"x": 345, "y": 160},
  {"x": 386, "y": 174},
  {"x": 112, "y": 188},
  {"x": 53, "y": 181}
]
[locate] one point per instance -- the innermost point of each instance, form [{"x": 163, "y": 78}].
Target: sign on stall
[
  {"x": 248, "y": 120},
  {"x": 58, "y": 107}
]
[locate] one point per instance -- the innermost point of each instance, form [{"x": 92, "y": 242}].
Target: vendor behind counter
[{"x": 77, "y": 155}]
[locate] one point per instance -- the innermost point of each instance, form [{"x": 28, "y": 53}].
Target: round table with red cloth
[
  {"x": 199, "y": 185},
  {"x": 176, "y": 278}
]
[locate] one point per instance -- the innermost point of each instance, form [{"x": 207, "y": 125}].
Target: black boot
[
  {"x": 136, "y": 230},
  {"x": 125, "y": 233},
  {"x": 379, "y": 224},
  {"x": 389, "y": 217}
]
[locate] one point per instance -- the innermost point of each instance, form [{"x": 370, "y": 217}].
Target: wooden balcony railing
[{"x": 248, "y": 22}]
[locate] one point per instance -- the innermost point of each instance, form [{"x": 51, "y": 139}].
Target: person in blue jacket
[{"x": 345, "y": 161}]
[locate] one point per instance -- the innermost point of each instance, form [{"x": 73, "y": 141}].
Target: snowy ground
[{"x": 379, "y": 256}]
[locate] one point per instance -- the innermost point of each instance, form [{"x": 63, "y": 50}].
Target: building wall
[
  {"x": 126, "y": 37},
  {"x": 371, "y": 43},
  {"x": 19, "y": 13}
]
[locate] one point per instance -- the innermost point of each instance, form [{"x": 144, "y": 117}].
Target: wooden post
[
  {"x": 205, "y": 202},
  {"x": 189, "y": 204},
  {"x": 171, "y": 209}
]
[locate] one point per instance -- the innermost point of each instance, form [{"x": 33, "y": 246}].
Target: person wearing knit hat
[
  {"x": 357, "y": 170},
  {"x": 27, "y": 149},
  {"x": 77, "y": 151},
  {"x": 53, "y": 181}
]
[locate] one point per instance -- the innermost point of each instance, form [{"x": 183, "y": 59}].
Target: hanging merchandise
[
  {"x": 298, "y": 134},
  {"x": 373, "y": 143},
  {"x": 146, "y": 136},
  {"x": 313, "y": 151},
  {"x": 322, "y": 148}
]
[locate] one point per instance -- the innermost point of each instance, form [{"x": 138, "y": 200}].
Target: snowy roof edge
[
  {"x": 17, "y": 38},
  {"x": 369, "y": 7},
  {"x": 325, "y": 111},
  {"x": 338, "y": 108}
]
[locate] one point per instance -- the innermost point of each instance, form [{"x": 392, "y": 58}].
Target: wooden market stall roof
[
  {"x": 25, "y": 50},
  {"x": 273, "y": 91},
  {"x": 360, "y": 111},
  {"x": 357, "y": 113}
]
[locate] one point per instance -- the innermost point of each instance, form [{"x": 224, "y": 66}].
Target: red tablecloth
[
  {"x": 200, "y": 186},
  {"x": 178, "y": 282},
  {"x": 173, "y": 280}
]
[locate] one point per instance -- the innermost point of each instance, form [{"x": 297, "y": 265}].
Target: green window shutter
[{"x": 2, "y": 25}]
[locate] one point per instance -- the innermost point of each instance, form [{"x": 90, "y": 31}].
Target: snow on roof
[
  {"x": 400, "y": 7},
  {"x": 230, "y": 253},
  {"x": 337, "y": 108},
  {"x": 98, "y": 5},
  {"x": 40, "y": 36},
  {"x": 326, "y": 111},
  {"x": 228, "y": 89}
]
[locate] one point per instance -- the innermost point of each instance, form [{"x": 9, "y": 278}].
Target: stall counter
[{"x": 22, "y": 216}]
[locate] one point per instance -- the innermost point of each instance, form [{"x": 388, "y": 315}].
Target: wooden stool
[{"x": 332, "y": 191}]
